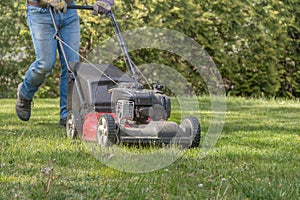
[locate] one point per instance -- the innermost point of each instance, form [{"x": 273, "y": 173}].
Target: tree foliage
[{"x": 255, "y": 44}]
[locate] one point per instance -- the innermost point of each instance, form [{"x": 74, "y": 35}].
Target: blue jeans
[{"x": 42, "y": 32}]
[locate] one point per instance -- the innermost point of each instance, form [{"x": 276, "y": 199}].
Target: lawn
[{"x": 257, "y": 156}]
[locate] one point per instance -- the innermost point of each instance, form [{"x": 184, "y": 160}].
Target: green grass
[{"x": 256, "y": 157}]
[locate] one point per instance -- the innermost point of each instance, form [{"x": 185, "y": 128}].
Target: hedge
[{"x": 255, "y": 44}]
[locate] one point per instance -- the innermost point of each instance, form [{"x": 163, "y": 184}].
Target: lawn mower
[{"x": 109, "y": 106}]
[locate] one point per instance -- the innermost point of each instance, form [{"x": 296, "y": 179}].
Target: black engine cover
[{"x": 147, "y": 103}]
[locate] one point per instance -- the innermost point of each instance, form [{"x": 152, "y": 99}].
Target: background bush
[{"x": 255, "y": 44}]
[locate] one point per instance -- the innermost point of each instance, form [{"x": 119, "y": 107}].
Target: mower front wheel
[
  {"x": 106, "y": 131},
  {"x": 70, "y": 126}
]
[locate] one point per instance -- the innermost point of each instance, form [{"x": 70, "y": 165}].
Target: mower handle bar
[
  {"x": 122, "y": 43},
  {"x": 80, "y": 7}
]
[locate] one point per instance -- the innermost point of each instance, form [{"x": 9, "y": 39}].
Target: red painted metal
[{"x": 90, "y": 125}]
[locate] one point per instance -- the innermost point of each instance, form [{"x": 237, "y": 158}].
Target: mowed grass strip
[{"x": 256, "y": 157}]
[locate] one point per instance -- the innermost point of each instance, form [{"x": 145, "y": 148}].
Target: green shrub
[{"x": 255, "y": 44}]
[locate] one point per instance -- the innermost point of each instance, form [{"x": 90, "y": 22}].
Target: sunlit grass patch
[{"x": 256, "y": 157}]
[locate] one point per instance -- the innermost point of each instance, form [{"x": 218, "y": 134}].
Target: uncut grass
[{"x": 256, "y": 157}]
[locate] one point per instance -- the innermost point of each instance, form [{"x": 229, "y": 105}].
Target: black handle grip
[{"x": 80, "y": 7}]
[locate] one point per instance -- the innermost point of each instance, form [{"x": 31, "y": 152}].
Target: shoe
[
  {"x": 23, "y": 106},
  {"x": 63, "y": 122}
]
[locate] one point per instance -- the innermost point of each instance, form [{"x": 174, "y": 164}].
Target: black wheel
[
  {"x": 106, "y": 131},
  {"x": 191, "y": 126},
  {"x": 70, "y": 126}
]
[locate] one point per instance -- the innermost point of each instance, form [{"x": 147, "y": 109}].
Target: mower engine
[{"x": 139, "y": 106}]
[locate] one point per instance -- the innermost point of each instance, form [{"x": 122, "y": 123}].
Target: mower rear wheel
[
  {"x": 70, "y": 126},
  {"x": 106, "y": 131},
  {"x": 191, "y": 126}
]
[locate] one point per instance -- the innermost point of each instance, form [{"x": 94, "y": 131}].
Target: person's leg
[
  {"x": 70, "y": 34},
  {"x": 42, "y": 31}
]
